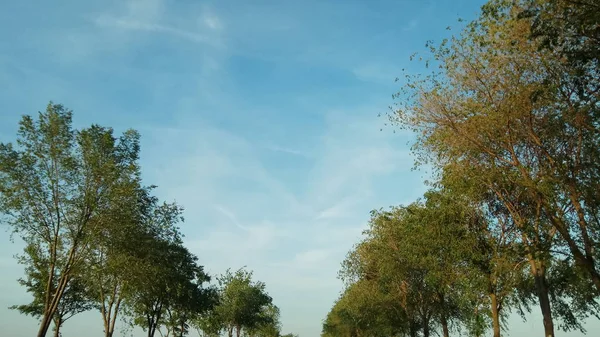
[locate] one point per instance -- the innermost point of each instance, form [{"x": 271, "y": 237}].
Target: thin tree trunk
[
  {"x": 44, "y": 324},
  {"x": 443, "y": 317},
  {"x": 413, "y": 329},
  {"x": 444, "y": 322},
  {"x": 425, "y": 326},
  {"x": 544, "y": 300},
  {"x": 152, "y": 329},
  {"x": 114, "y": 318},
  {"x": 495, "y": 315},
  {"x": 538, "y": 269},
  {"x": 51, "y": 307},
  {"x": 57, "y": 325},
  {"x": 182, "y": 328},
  {"x": 51, "y": 310}
]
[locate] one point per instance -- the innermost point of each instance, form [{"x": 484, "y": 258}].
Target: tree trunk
[
  {"x": 182, "y": 328},
  {"x": 238, "y": 331},
  {"x": 413, "y": 329},
  {"x": 444, "y": 322},
  {"x": 495, "y": 315},
  {"x": 230, "y": 332},
  {"x": 426, "y": 330},
  {"x": 44, "y": 324},
  {"x": 51, "y": 307},
  {"x": 57, "y": 324},
  {"x": 425, "y": 326},
  {"x": 544, "y": 300},
  {"x": 156, "y": 315}
]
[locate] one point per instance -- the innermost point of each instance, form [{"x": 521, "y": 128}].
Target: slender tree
[{"x": 55, "y": 186}]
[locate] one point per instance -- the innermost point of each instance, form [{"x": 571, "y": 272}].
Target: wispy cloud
[
  {"x": 287, "y": 150},
  {"x": 211, "y": 20},
  {"x": 124, "y": 23},
  {"x": 339, "y": 209},
  {"x": 248, "y": 213},
  {"x": 411, "y": 25},
  {"x": 230, "y": 216}
]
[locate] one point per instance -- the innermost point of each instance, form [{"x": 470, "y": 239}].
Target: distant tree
[
  {"x": 242, "y": 304},
  {"x": 269, "y": 324},
  {"x": 364, "y": 309},
  {"x": 168, "y": 282}
]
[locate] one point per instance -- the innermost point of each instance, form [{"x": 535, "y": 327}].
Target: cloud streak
[{"x": 123, "y": 23}]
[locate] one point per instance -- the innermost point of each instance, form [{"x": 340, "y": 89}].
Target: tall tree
[
  {"x": 55, "y": 185},
  {"x": 495, "y": 260},
  {"x": 112, "y": 253},
  {"x": 502, "y": 108},
  {"x": 364, "y": 309}
]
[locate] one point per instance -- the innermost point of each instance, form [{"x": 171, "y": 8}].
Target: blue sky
[{"x": 259, "y": 117}]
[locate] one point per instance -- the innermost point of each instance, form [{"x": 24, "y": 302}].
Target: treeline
[
  {"x": 98, "y": 239},
  {"x": 509, "y": 120}
]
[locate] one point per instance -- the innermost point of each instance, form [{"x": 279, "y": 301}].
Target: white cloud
[
  {"x": 230, "y": 216},
  {"x": 129, "y": 24},
  {"x": 295, "y": 233}
]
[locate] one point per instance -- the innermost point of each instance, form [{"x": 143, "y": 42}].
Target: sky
[{"x": 258, "y": 117}]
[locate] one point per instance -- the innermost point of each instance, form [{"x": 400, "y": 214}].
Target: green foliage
[
  {"x": 96, "y": 238},
  {"x": 57, "y": 186},
  {"x": 244, "y": 305},
  {"x": 75, "y": 300},
  {"x": 167, "y": 282},
  {"x": 509, "y": 121}
]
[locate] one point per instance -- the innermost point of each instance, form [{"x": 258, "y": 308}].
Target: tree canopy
[
  {"x": 508, "y": 119},
  {"x": 97, "y": 238}
]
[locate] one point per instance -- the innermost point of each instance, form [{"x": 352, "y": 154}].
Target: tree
[
  {"x": 507, "y": 110},
  {"x": 269, "y": 324},
  {"x": 390, "y": 254},
  {"x": 168, "y": 288},
  {"x": 446, "y": 260},
  {"x": 117, "y": 255},
  {"x": 55, "y": 186},
  {"x": 364, "y": 309},
  {"x": 242, "y": 304},
  {"x": 496, "y": 262},
  {"x": 75, "y": 300}
]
